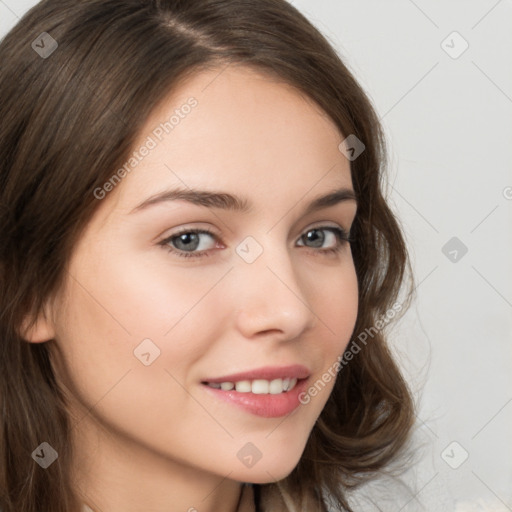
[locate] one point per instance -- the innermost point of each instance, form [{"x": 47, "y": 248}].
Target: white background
[{"x": 449, "y": 126}]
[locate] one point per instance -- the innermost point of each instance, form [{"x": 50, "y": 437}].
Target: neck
[{"x": 245, "y": 502}]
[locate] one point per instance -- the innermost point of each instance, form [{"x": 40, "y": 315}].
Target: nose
[{"x": 270, "y": 297}]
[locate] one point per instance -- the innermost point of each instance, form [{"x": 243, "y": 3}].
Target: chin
[
  {"x": 263, "y": 477},
  {"x": 269, "y": 471}
]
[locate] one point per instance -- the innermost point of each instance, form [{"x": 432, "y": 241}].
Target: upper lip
[{"x": 294, "y": 371}]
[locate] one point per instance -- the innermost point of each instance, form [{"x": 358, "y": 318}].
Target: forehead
[{"x": 238, "y": 129}]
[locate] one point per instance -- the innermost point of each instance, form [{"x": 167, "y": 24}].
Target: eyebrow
[{"x": 227, "y": 201}]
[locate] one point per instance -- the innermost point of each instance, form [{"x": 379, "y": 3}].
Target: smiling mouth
[
  {"x": 257, "y": 386},
  {"x": 272, "y": 397}
]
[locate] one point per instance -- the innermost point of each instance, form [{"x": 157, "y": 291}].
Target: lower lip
[{"x": 264, "y": 405}]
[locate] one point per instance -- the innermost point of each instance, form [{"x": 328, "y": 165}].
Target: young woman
[{"x": 197, "y": 263}]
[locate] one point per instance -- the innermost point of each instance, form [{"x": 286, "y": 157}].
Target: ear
[{"x": 39, "y": 329}]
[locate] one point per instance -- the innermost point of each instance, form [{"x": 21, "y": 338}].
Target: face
[{"x": 166, "y": 301}]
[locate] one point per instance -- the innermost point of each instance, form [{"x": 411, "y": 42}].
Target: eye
[
  {"x": 336, "y": 238},
  {"x": 189, "y": 243}
]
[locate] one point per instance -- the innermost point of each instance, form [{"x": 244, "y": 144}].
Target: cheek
[
  {"x": 341, "y": 303},
  {"x": 334, "y": 300},
  {"x": 107, "y": 317},
  {"x": 133, "y": 297},
  {"x": 336, "y": 305},
  {"x": 119, "y": 315}
]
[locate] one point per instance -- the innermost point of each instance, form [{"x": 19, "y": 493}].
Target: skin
[{"x": 150, "y": 437}]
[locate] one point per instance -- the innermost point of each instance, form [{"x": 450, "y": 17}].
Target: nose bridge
[{"x": 271, "y": 296}]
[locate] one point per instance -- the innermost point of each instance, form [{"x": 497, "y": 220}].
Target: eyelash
[{"x": 341, "y": 235}]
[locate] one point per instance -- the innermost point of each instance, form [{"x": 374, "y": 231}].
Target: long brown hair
[{"x": 70, "y": 117}]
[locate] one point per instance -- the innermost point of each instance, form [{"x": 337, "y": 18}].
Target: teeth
[
  {"x": 244, "y": 386},
  {"x": 258, "y": 386},
  {"x": 276, "y": 386}
]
